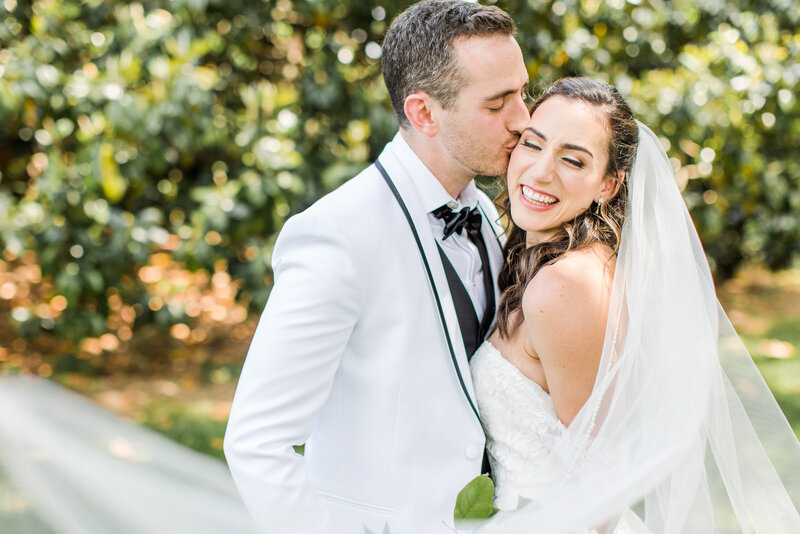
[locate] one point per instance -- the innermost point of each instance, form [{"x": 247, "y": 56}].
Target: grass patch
[
  {"x": 188, "y": 426},
  {"x": 765, "y": 310},
  {"x": 194, "y": 429}
]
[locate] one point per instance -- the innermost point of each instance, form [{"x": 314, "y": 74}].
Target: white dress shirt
[{"x": 461, "y": 252}]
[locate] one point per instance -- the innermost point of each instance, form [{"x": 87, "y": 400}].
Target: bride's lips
[{"x": 534, "y": 204}]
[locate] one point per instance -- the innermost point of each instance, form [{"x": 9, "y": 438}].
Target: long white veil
[
  {"x": 680, "y": 433},
  {"x": 68, "y": 466}
]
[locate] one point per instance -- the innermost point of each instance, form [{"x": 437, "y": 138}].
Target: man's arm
[{"x": 288, "y": 374}]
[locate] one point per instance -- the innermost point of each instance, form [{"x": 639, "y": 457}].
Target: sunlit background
[{"x": 151, "y": 151}]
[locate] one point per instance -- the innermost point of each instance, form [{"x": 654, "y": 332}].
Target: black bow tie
[{"x": 455, "y": 221}]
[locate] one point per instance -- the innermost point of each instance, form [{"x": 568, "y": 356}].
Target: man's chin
[
  {"x": 487, "y": 167},
  {"x": 495, "y": 171}
]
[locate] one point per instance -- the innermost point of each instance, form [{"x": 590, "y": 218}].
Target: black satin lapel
[
  {"x": 491, "y": 227},
  {"x": 488, "y": 286},
  {"x": 432, "y": 282}
]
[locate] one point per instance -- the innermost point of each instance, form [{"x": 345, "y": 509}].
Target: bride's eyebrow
[
  {"x": 568, "y": 146},
  {"x": 579, "y": 148},
  {"x": 537, "y": 133}
]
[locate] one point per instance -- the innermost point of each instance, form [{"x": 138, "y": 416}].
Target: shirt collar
[{"x": 431, "y": 191}]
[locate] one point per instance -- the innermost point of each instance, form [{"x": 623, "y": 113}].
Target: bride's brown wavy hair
[{"x": 598, "y": 224}]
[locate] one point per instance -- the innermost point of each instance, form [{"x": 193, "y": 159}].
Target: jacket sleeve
[{"x": 288, "y": 375}]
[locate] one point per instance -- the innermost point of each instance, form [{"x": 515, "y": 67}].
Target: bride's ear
[{"x": 612, "y": 184}]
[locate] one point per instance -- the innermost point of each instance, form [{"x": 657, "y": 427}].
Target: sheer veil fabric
[
  {"x": 68, "y": 466},
  {"x": 680, "y": 433}
]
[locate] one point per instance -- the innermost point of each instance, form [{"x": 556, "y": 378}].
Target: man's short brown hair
[{"x": 418, "y": 48}]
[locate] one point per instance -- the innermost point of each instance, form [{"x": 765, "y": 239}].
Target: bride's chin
[{"x": 536, "y": 237}]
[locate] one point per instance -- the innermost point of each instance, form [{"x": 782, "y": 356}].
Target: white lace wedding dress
[{"x": 521, "y": 428}]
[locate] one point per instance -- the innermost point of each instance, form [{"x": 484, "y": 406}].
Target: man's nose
[{"x": 518, "y": 115}]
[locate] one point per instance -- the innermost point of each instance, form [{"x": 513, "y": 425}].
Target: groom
[{"x": 383, "y": 289}]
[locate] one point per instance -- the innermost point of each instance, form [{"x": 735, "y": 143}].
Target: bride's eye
[
  {"x": 574, "y": 162},
  {"x": 532, "y": 145}
]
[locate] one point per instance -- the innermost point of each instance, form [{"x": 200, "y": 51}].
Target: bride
[{"x": 614, "y": 393}]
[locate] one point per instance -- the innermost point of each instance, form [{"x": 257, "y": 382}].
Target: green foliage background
[{"x": 198, "y": 126}]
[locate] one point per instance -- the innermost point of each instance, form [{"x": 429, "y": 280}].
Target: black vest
[{"x": 472, "y": 330}]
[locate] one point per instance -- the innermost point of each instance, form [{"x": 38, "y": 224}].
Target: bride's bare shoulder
[
  {"x": 578, "y": 282},
  {"x": 565, "y": 308},
  {"x": 590, "y": 267}
]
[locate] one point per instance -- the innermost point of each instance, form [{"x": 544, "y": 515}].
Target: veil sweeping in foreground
[
  {"x": 680, "y": 429},
  {"x": 681, "y": 433},
  {"x": 69, "y": 466}
]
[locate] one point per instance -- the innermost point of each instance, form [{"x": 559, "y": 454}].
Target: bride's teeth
[{"x": 537, "y": 197}]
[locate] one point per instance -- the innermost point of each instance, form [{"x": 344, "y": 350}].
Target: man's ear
[{"x": 419, "y": 108}]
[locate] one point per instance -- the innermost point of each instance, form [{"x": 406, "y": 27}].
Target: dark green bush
[{"x": 196, "y": 127}]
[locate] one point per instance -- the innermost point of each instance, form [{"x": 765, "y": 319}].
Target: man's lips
[{"x": 512, "y": 146}]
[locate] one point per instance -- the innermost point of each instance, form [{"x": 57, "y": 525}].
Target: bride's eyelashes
[
  {"x": 572, "y": 161},
  {"x": 531, "y": 145}
]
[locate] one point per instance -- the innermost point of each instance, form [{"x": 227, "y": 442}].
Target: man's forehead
[{"x": 492, "y": 65}]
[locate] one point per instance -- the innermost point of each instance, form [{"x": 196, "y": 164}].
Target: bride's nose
[{"x": 541, "y": 169}]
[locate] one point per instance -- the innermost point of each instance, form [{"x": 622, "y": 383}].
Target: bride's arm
[{"x": 565, "y": 308}]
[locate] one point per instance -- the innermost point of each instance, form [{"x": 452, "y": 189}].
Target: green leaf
[
  {"x": 113, "y": 184},
  {"x": 386, "y": 529},
  {"x": 475, "y": 500}
]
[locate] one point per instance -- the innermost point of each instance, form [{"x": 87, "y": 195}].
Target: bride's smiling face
[{"x": 559, "y": 166}]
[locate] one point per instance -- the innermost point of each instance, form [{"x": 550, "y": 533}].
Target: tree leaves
[
  {"x": 113, "y": 184},
  {"x": 227, "y": 117}
]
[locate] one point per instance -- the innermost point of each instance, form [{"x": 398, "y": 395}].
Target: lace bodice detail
[{"x": 521, "y": 427}]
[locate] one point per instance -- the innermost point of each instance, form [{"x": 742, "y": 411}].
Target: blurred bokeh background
[{"x": 150, "y": 152}]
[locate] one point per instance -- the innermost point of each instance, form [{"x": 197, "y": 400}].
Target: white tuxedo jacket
[{"x": 350, "y": 357}]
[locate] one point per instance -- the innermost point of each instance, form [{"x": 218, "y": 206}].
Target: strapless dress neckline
[
  {"x": 521, "y": 430},
  {"x": 521, "y": 427},
  {"x": 493, "y": 352}
]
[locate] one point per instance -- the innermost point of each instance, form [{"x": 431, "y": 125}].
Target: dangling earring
[{"x": 599, "y": 207}]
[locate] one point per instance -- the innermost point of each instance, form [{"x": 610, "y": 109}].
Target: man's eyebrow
[
  {"x": 568, "y": 146},
  {"x": 498, "y": 96},
  {"x": 505, "y": 93}
]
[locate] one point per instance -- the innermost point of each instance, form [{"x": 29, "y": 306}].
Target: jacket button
[{"x": 472, "y": 453}]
